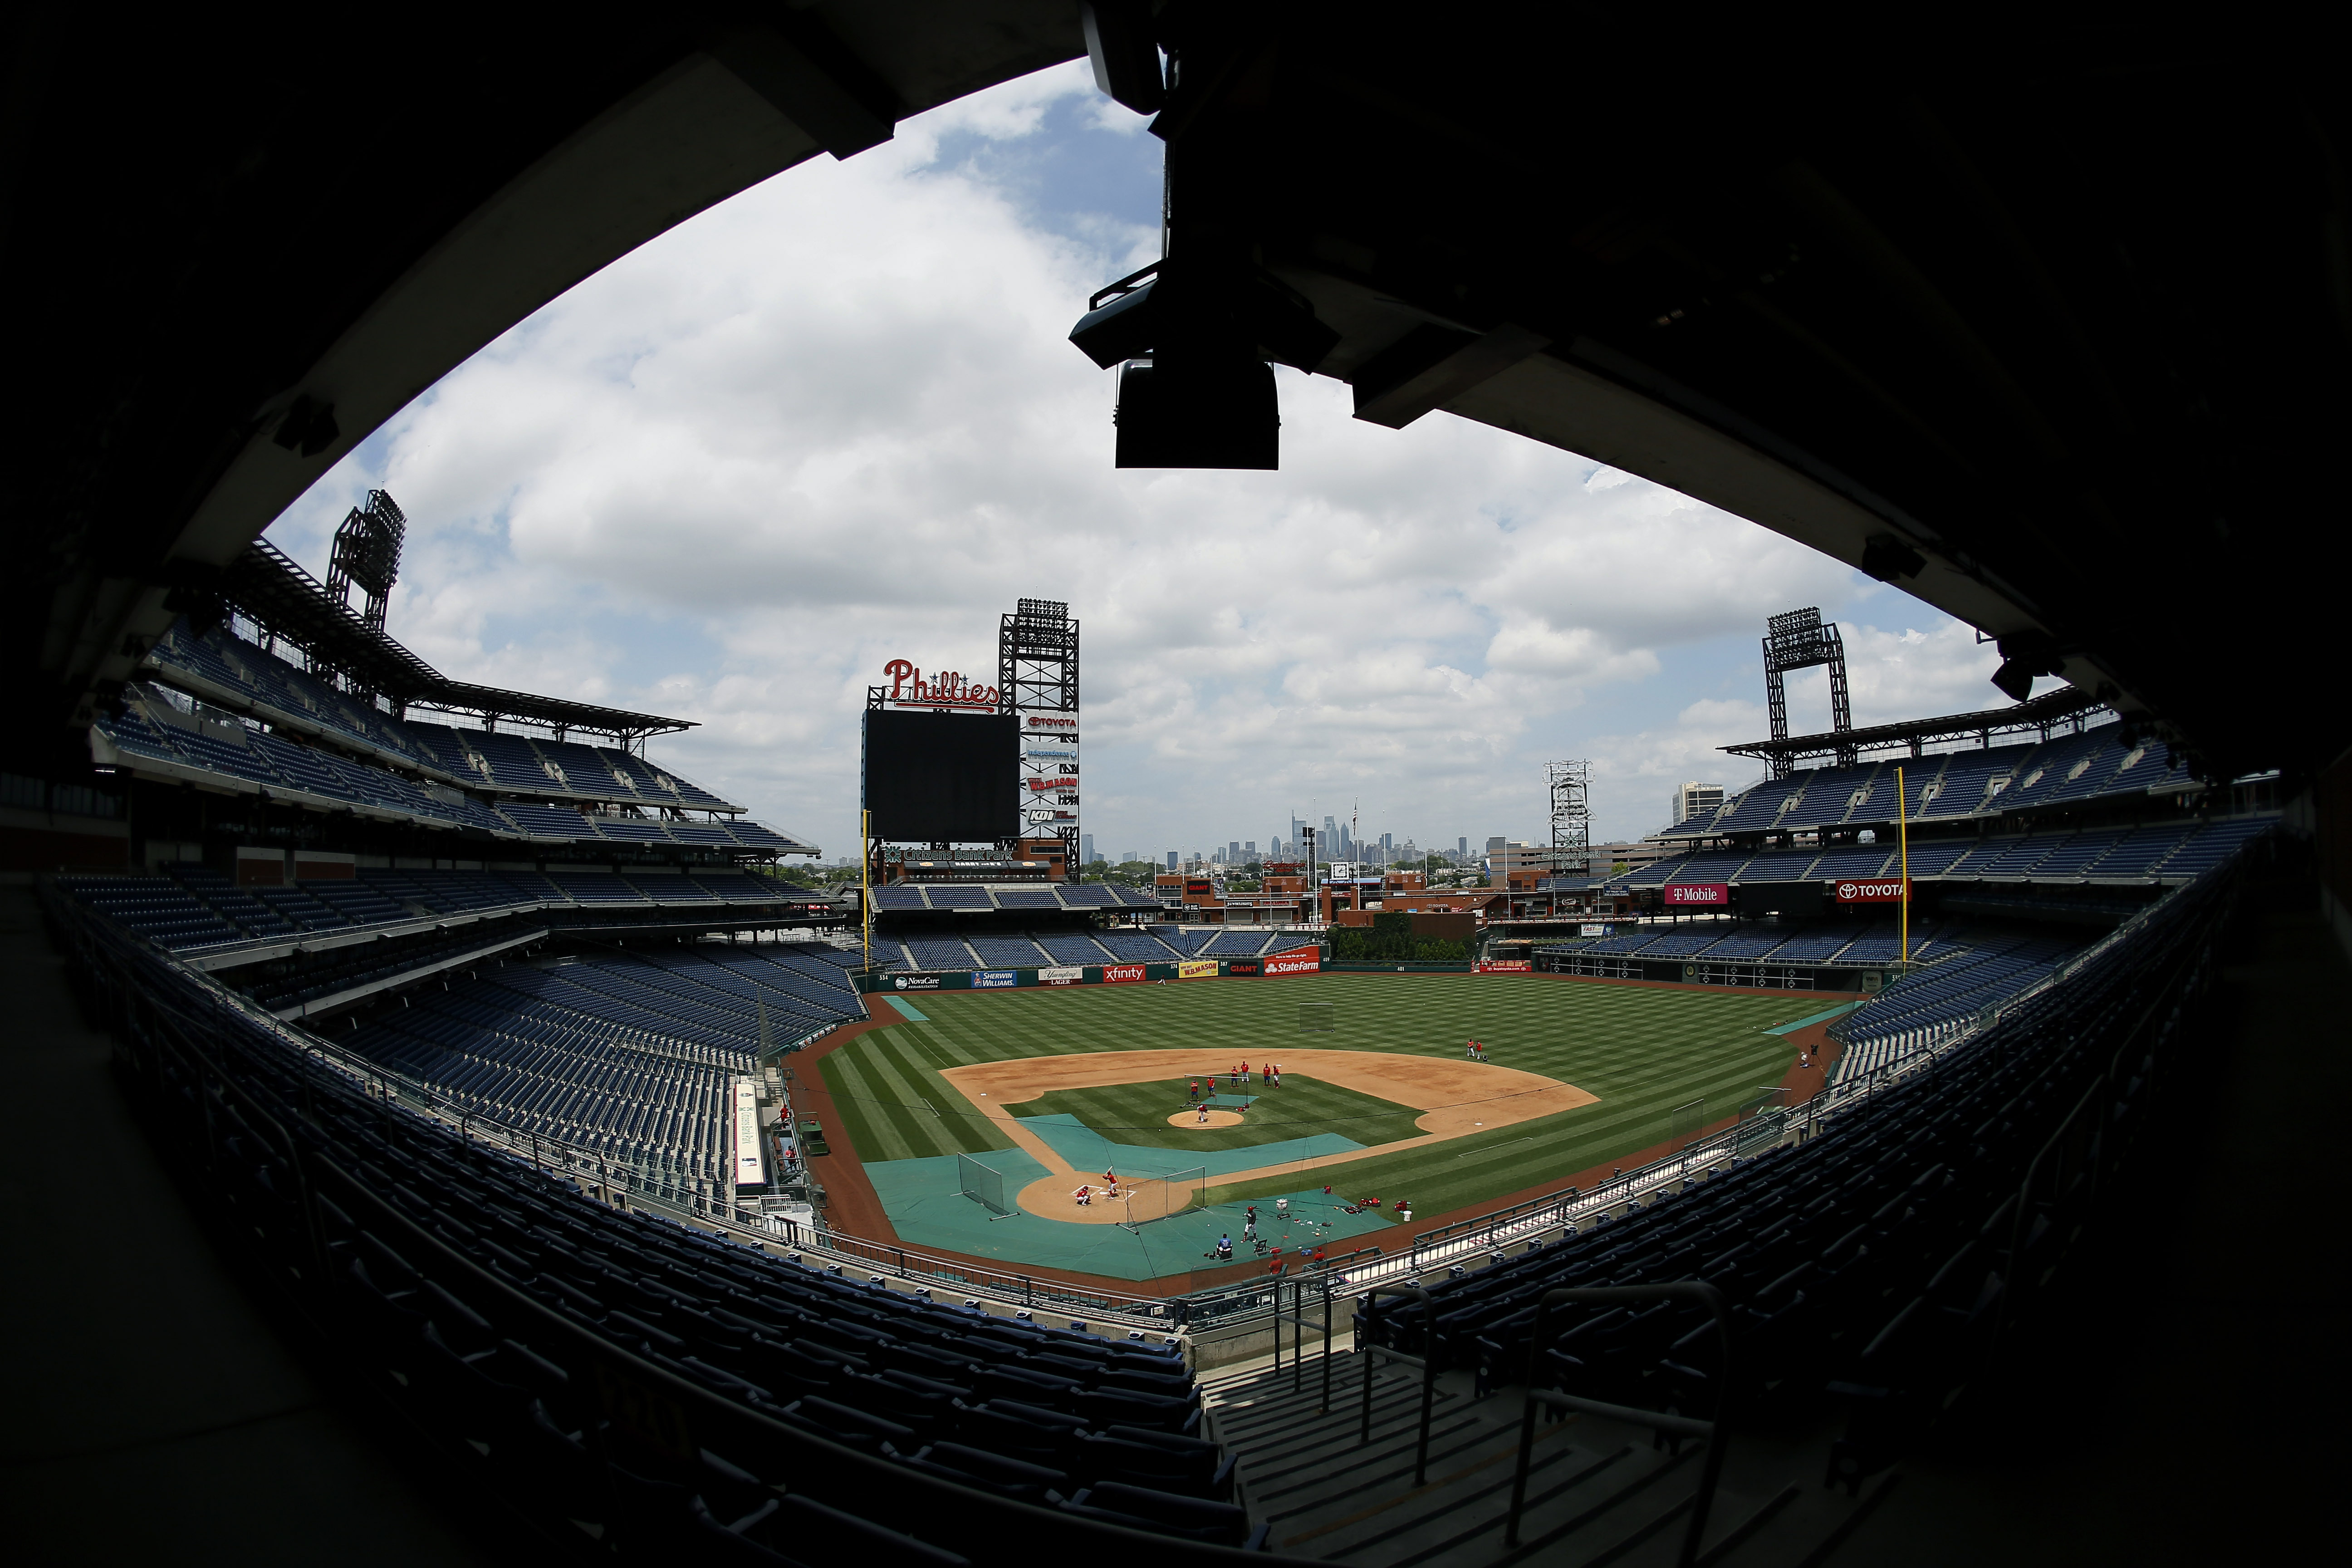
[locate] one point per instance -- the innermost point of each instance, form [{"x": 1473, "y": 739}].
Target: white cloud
[{"x": 836, "y": 420}]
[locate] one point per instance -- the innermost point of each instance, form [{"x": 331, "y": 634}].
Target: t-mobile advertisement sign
[
  {"x": 1684, "y": 895},
  {"x": 1856, "y": 892}
]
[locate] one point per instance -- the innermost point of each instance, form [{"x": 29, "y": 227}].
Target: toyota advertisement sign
[
  {"x": 1855, "y": 891},
  {"x": 1699, "y": 895}
]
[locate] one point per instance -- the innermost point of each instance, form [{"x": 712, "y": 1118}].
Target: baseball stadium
[{"x": 447, "y": 1131}]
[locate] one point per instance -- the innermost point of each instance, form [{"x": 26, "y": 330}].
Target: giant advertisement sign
[
  {"x": 1704, "y": 895},
  {"x": 1197, "y": 969},
  {"x": 1856, "y": 892},
  {"x": 1298, "y": 960}
]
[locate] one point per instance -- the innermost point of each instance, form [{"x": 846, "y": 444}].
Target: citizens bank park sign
[{"x": 1889, "y": 892}]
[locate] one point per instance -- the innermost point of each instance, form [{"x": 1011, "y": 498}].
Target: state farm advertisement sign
[
  {"x": 1855, "y": 891},
  {"x": 1122, "y": 973},
  {"x": 1703, "y": 895},
  {"x": 1301, "y": 961}
]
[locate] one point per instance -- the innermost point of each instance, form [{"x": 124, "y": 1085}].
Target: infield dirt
[{"x": 1454, "y": 1098}]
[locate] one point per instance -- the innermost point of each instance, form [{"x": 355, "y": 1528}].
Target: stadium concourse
[{"x": 371, "y": 1024}]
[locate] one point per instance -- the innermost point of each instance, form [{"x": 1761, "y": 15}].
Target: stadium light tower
[
  {"x": 1037, "y": 673},
  {"x": 1800, "y": 640},
  {"x": 1571, "y": 816},
  {"x": 367, "y": 551}
]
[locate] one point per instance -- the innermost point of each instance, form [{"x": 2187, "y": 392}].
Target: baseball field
[{"x": 1043, "y": 1092}]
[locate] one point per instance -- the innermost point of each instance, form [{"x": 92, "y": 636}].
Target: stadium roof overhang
[
  {"x": 274, "y": 591},
  {"x": 2067, "y": 705},
  {"x": 2048, "y": 327}
]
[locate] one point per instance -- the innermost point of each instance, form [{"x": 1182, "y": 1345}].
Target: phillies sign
[
  {"x": 1710, "y": 895},
  {"x": 1889, "y": 892},
  {"x": 945, "y": 689}
]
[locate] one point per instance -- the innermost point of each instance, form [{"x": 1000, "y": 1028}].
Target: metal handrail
[
  {"x": 1712, "y": 1430},
  {"x": 1426, "y": 1361}
]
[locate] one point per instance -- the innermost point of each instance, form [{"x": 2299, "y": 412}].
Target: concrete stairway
[{"x": 1598, "y": 1492}]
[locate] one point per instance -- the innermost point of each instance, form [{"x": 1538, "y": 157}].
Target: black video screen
[{"x": 943, "y": 778}]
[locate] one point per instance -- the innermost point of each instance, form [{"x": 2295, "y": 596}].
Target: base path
[{"x": 1456, "y": 1099}]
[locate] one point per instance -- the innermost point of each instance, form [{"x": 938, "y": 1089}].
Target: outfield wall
[{"x": 1301, "y": 961}]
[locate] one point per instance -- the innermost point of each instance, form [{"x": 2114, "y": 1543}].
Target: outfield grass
[
  {"x": 1643, "y": 1051},
  {"x": 1302, "y": 1107}
]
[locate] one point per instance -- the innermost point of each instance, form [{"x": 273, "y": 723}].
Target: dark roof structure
[
  {"x": 2039, "y": 715},
  {"x": 272, "y": 589}
]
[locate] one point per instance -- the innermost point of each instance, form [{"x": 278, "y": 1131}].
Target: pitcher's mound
[{"x": 1216, "y": 1119}]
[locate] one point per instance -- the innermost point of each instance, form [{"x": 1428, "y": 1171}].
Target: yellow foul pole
[
  {"x": 866, "y": 883},
  {"x": 1903, "y": 837}
]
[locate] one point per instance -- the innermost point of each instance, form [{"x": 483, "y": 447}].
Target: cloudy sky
[{"x": 836, "y": 421}]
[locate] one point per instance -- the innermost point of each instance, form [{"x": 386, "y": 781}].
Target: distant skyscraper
[
  {"x": 1087, "y": 848},
  {"x": 1128, "y": 856},
  {"x": 1462, "y": 845},
  {"x": 1249, "y": 850},
  {"x": 1171, "y": 859},
  {"x": 1693, "y": 798},
  {"x": 1234, "y": 852}
]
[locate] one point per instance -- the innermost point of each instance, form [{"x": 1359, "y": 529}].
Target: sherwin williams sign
[
  {"x": 1703, "y": 895},
  {"x": 1197, "y": 969},
  {"x": 986, "y": 979},
  {"x": 1889, "y": 892}
]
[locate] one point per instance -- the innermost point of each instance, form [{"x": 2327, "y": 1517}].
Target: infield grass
[
  {"x": 1644, "y": 1051},
  {"x": 1302, "y": 1107}
]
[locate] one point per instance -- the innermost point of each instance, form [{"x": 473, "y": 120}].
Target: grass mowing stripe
[{"x": 1643, "y": 1052}]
